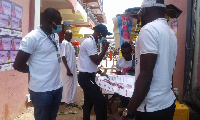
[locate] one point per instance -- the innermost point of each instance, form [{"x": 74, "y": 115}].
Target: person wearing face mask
[
  {"x": 88, "y": 60},
  {"x": 41, "y": 51}
]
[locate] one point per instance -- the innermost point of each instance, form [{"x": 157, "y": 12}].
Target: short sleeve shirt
[
  {"x": 88, "y": 48},
  {"x": 123, "y": 66},
  {"x": 157, "y": 38},
  {"x": 43, "y": 62}
]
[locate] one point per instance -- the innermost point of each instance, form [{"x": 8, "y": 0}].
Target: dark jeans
[
  {"x": 92, "y": 96},
  {"x": 46, "y": 104},
  {"x": 165, "y": 114}
]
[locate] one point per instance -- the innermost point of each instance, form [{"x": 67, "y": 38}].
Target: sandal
[{"x": 72, "y": 105}]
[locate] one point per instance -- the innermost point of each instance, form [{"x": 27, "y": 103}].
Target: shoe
[
  {"x": 72, "y": 105},
  {"x": 62, "y": 103}
]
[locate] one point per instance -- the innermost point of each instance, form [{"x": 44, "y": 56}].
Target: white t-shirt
[
  {"x": 88, "y": 48},
  {"x": 123, "y": 66},
  {"x": 158, "y": 38},
  {"x": 43, "y": 62}
]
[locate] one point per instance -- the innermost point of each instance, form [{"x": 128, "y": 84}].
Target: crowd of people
[{"x": 53, "y": 73}]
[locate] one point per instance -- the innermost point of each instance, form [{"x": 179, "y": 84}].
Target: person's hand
[
  {"x": 69, "y": 73},
  {"x": 105, "y": 44},
  {"x": 104, "y": 74}
]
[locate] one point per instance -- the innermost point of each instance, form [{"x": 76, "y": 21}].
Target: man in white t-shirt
[
  {"x": 88, "y": 60},
  {"x": 155, "y": 54},
  {"x": 125, "y": 63},
  {"x": 68, "y": 70},
  {"x": 41, "y": 51},
  {"x": 123, "y": 67}
]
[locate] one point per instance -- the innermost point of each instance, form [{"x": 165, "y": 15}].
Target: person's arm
[
  {"x": 20, "y": 63},
  {"x": 66, "y": 65},
  {"x": 98, "y": 58},
  {"x": 27, "y": 47},
  {"x": 143, "y": 82}
]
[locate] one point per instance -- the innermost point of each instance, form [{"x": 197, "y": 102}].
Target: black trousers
[
  {"x": 92, "y": 96},
  {"x": 165, "y": 114}
]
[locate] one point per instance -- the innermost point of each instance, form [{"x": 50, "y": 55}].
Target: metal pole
[{"x": 196, "y": 46}]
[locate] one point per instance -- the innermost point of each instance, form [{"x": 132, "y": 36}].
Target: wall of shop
[
  {"x": 178, "y": 77},
  {"x": 14, "y": 85}
]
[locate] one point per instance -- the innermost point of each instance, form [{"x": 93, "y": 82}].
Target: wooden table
[{"x": 109, "y": 101}]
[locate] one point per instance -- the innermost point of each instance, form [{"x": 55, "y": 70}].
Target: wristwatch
[{"x": 126, "y": 114}]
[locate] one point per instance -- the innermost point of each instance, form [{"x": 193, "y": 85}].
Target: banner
[
  {"x": 10, "y": 33},
  {"x": 124, "y": 28},
  {"x": 121, "y": 84}
]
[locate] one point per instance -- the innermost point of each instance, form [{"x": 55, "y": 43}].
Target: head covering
[
  {"x": 102, "y": 29},
  {"x": 152, "y": 3},
  {"x": 132, "y": 10},
  {"x": 172, "y": 11}
]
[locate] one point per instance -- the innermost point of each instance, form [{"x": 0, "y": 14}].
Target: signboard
[
  {"x": 121, "y": 84},
  {"x": 124, "y": 26},
  {"x": 10, "y": 33}
]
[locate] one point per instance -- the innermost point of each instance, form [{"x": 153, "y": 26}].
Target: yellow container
[
  {"x": 181, "y": 112},
  {"x": 120, "y": 53}
]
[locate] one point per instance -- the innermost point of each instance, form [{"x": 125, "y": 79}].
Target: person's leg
[
  {"x": 97, "y": 99},
  {"x": 100, "y": 106},
  {"x": 69, "y": 90},
  {"x": 41, "y": 102},
  {"x": 87, "y": 107},
  {"x": 72, "y": 92},
  {"x": 57, "y": 96},
  {"x": 83, "y": 79},
  {"x": 92, "y": 95}
]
